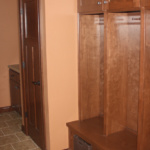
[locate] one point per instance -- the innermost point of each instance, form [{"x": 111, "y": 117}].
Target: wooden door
[
  {"x": 144, "y": 104},
  {"x": 123, "y": 4},
  {"x": 31, "y": 51},
  {"x": 93, "y": 6}
]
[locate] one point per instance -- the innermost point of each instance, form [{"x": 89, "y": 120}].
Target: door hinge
[
  {"x": 26, "y": 114},
  {"x": 23, "y": 64}
]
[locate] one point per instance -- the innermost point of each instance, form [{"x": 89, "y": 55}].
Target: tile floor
[{"x": 11, "y": 136}]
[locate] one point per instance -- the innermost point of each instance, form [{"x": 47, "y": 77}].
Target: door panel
[
  {"x": 89, "y": 6},
  {"x": 31, "y": 20},
  {"x": 33, "y": 89},
  {"x": 123, "y": 4}
]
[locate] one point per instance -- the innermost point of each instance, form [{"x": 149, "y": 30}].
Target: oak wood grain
[
  {"x": 89, "y": 6},
  {"x": 91, "y": 61},
  {"x": 123, "y": 50},
  {"x": 123, "y": 4}
]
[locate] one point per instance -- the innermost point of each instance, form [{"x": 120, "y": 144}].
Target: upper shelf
[{"x": 91, "y": 130}]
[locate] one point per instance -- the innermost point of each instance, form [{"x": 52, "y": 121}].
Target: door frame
[{"x": 44, "y": 90}]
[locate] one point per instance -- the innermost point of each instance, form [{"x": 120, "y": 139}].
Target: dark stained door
[{"x": 31, "y": 50}]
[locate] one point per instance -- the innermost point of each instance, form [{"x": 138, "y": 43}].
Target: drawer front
[
  {"x": 123, "y": 4},
  {"x": 14, "y": 76},
  {"x": 18, "y": 78}
]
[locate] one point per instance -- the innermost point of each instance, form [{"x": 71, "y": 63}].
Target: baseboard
[{"x": 6, "y": 109}]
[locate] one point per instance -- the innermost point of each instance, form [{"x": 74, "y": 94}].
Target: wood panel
[
  {"x": 145, "y": 3},
  {"x": 122, "y": 87},
  {"x": 133, "y": 75},
  {"x": 136, "y": 3},
  {"x": 144, "y": 104},
  {"x": 123, "y": 4},
  {"x": 91, "y": 63},
  {"x": 85, "y": 6},
  {"x": 71, "y": 144}
]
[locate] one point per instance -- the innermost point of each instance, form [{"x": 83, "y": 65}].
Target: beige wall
[
  {"x": 9, "y": 45},
  {"x": 61, "y": 52}
]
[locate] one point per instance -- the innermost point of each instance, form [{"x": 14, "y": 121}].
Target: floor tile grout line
[
  {"x": 12, "y": 147},
  {"x": 3, "y": 132},
  {"x": 6, "y": 123},
  {"x": 4, "y": 145},
  {"x": 24, "y": 141},
  {"x": 17, "y": 137},
  {"x": 10, "y": 116},
  {"x": 14, "y": 132},
  {"x": 15, "y": 143},
  {"x": 9, "y": 134}
]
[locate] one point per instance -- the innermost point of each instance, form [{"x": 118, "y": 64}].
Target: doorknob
[{"x": 36, "y": 83}]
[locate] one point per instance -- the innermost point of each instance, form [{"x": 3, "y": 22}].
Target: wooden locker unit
[{"x": 114, "y": 77}]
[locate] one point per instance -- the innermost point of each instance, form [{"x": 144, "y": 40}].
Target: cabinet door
[
  {"x": 15, "y": 96},
  {"x": 85, "y": 6},
  {"x": 13, "y": 93},
  {"x": 123, "y": 4},
  {"x": 18, "y": 98}
]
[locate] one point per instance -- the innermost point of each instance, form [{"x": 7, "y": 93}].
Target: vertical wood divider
[
  {"x": 105, "y": 73},
  {"x": 141, "y": 103}
]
